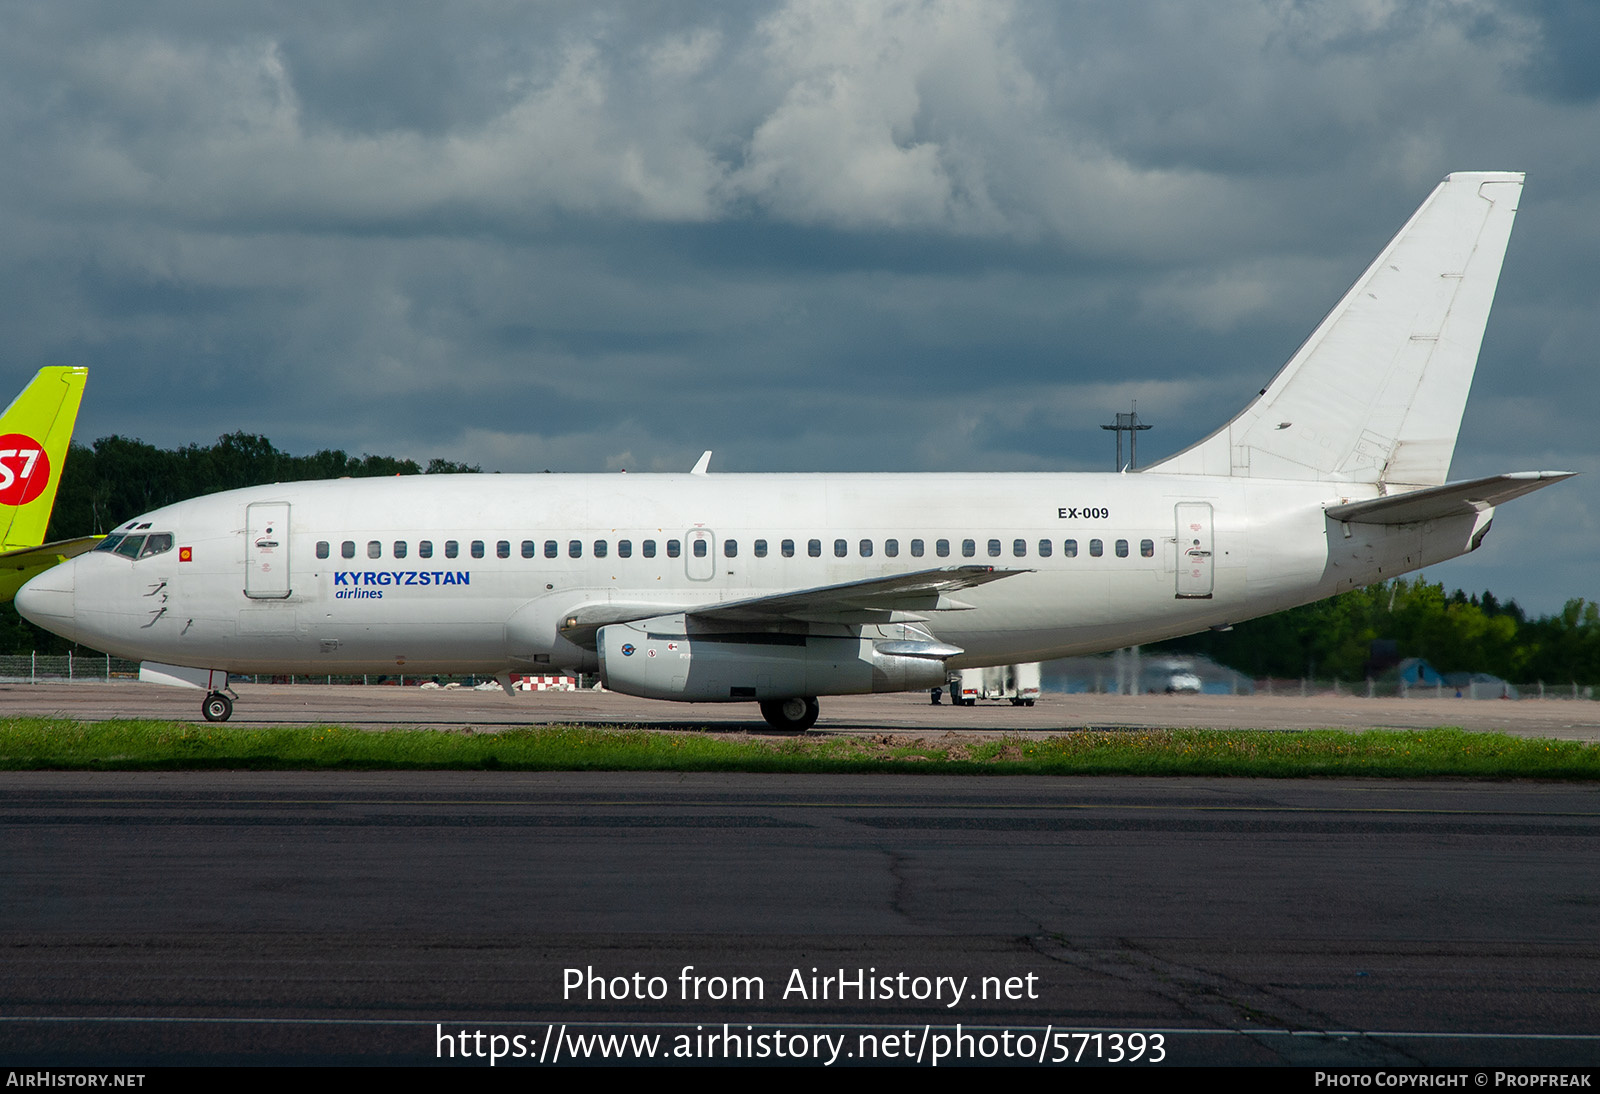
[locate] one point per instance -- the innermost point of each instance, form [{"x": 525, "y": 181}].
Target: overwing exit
[{"x": 778, "y": 589}]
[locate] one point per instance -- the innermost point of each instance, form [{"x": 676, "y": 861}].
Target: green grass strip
[{"x": 57, "y": 745}]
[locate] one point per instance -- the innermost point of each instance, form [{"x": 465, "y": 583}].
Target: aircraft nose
[{"x": 49, "y": 600}]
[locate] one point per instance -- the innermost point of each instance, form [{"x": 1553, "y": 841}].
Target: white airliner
[{"x": 778, "y": 588}]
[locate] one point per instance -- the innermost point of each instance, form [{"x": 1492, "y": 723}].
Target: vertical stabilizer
[
  {"x": 1377, "y": 392},
  {"x": 35, "y": 432}
]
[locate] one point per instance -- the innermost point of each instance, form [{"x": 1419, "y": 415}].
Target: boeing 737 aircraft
[
  {"x": 778, "y": 588},
  {"x": 35, "y": 433}
]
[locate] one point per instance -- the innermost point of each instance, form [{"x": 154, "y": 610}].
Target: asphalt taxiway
[
  {"x": 381, "y": 707},
  {"x": 358, "y": 917},
  {"x": 279, "y": 918}
]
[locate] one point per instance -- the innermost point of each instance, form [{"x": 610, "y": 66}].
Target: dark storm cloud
[
  {"x": 814, "y": 234},
  {"x": 1562, "y": 64}
]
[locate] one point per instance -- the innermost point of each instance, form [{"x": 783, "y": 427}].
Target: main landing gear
[
  {"x": 217, "y": 707},
  {"x": 791, "y": 715}
]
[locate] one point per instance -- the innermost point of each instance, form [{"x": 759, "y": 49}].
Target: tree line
[
  {"x": 116, "y": 478},
  {"x": 1364, "y": 632}
]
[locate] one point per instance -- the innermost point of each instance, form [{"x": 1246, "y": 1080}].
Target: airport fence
[
  {"x": 82, "y": 667},
  {"x": 1486, "y": 687},
  {"x": 1308, "y": 687},
  {"x": 89, "y": 668},
  {"x": 35, "y": 668}
]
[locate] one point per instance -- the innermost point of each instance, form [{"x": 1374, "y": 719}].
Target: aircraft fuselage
[{"x": 455, "y": 574}]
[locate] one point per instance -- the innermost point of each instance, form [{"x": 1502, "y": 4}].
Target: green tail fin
[{"x": 35, "y": 432}]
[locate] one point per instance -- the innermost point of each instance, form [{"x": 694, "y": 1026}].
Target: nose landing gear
[{"x": 217, "y": 707}]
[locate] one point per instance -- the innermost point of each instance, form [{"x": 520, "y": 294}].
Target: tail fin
[
  {"x": 1376, "y": 393},
  {"x": 35, "y": 431}
]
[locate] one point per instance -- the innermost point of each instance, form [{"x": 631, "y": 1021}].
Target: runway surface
[
  {"x": 243, "y": 917},
  {"x": 381, "y": 707}
]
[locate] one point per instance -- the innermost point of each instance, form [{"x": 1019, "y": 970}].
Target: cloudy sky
[{"x": 809, "y": 235}]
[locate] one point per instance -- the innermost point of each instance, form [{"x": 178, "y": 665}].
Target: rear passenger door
[{"x": 1196, "y": 560}]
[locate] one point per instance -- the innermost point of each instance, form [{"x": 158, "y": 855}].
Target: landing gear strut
[
  {"x": 791, "y": 715},
  {"x": 217, "y": 707}
]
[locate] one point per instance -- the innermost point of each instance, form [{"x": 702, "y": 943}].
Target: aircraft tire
[
  {"x": 791, "y": 715},
  {"x": 217, "y": 707}
]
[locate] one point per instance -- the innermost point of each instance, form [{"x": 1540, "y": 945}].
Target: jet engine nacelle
[{"x": 661, "y": 659}]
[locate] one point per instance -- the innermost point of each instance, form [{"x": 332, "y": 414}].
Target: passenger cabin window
[
  {"x": 760, "y": 548},
  {"x": 477, "y": 548},
  {"x": 840, "y": 548},
  {"x": 916, "y": 548},
  {"x": 814, "y": 548},
  {"x": 451, "y": 548},
  {"x": 400, "y": 548},
  {"x": 1147, "y": 548},
  {"x": 502, "y": 549},
  {"x": 1069, "y": 549},
  {"x": 322, "y": 548},
  {"x": 891, "y": 548},
  {"x": 552, "y": 549},
  {"x": 347, "y": 549},
  {"x": 425, "y": 549},
  {"x": 374, "y": 549},
  {"x": 866, "y": 548},
  {"x": 1019, "y": 548},
  {"x": 575, "y": 548},
  {"x": 1122, "y": 548},
  {"x": 730, "y": 548},
  {"x": 941, "y": 547},
  {"x": 786, "y": 548},
  {"x": 1044, "y": 548},
  {"x": 649, "y": 548},
  {"x": 969, "y": 547},
  {"x": 994, "y": 548},
  {"x": 530, "y": 548},
  {"x": 1096, "y": 548},
  {"x": 699, "y": 548},
  {"x": 600, "y": 548},
  {"x": 624, "y": 548},
  {"x": 674, "y": 548}
]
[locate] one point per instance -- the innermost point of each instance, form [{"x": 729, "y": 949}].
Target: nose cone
[{"x": 49, "y": 600}]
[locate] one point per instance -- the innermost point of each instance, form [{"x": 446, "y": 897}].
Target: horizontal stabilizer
[
  {"x": 51, "y": 553},
  {"x": 22, "y": 564},
  {"x": 1449, "y": 500}
]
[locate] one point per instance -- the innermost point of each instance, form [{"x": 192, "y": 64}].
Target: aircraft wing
[
  {"x": 898, "y": 598},
  {"x": 859, "y": 601},
  {"x": 1451, "y": 499}
]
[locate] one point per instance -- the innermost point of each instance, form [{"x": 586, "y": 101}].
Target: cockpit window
[
  {"x": 156, "y": 543},
  {"x": 136, "y": 547}
]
